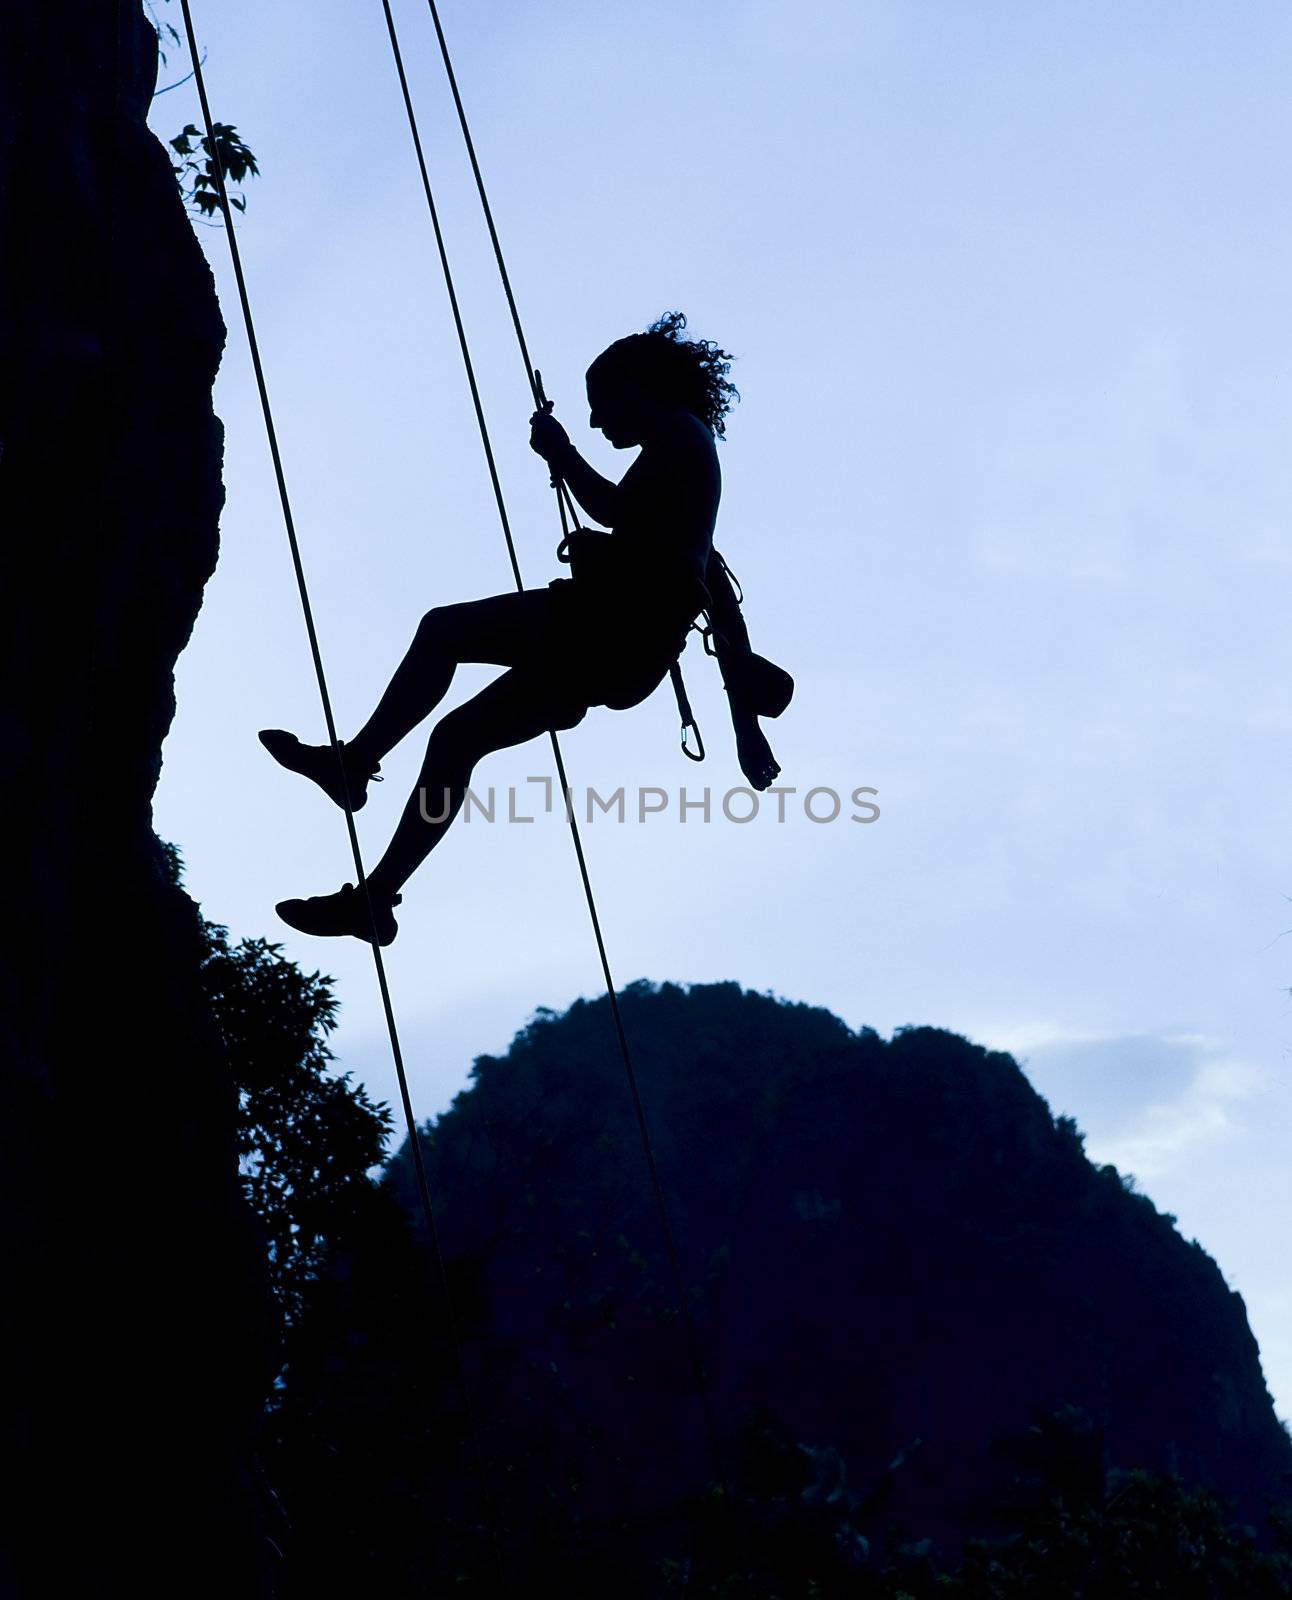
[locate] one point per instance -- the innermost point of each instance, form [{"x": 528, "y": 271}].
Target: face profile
[{"x": 614, "y": 408}]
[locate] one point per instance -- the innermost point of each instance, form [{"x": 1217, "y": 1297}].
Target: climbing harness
[{"x": 593, "y": 560}]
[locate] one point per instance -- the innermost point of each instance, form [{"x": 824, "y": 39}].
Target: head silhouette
[{"x": 636, "y": 381}]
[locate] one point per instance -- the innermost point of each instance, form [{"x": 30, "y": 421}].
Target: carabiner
[{"x": 698, "y": 753}]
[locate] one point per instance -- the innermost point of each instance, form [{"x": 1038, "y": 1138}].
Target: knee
[
  {"x": 434, "y": 625},
  {"x": 567, "y": 716},
  {"x": 456, "y": 739}
]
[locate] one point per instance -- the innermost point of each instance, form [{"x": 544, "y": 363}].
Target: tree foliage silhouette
[
  {"x": 308, "y": 1137},
  {"x": 200, "y": 159},
  {"x": 196, "y": 170}
]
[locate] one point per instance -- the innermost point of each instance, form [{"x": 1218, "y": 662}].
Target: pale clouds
[{"x": 1149, "y": 1103}]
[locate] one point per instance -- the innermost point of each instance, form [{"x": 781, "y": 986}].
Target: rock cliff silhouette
[{"x": 138, "y": 1339}]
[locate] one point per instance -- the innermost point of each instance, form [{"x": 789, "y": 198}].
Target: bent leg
[
  {"x": 512, "y": 709},
  {"x": 503, "y": 630}
]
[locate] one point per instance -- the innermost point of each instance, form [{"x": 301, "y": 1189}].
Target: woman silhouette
[{"x": 606, "y": 636}]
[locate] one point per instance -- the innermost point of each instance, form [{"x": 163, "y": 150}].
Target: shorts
[{"x": 601, "y": 651}]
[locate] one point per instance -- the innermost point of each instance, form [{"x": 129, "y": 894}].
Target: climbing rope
[
  {"x": 536, "y": 391},
  {"x": 414, "y": 1140},
  {"x": 563, "y": 498}
]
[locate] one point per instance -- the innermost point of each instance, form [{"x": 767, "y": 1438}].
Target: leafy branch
[
  {"x": 164, "y": 30},
  {"x": 197, "y": 172}
]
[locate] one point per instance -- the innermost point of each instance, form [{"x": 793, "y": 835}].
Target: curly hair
[{"x": 691, "y": 373}]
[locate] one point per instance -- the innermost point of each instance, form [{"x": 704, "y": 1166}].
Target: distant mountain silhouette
[{"x": 891, "y": 1247}]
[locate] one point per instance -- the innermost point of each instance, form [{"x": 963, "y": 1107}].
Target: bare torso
[{"x": 668, "y": 498}]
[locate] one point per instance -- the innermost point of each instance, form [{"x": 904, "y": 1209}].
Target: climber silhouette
[{"x": 605, "y": 636}]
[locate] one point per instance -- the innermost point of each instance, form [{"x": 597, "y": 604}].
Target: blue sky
[{"x": 1008, "y": 492}]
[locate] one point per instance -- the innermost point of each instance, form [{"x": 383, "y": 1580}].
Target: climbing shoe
[
  {"x": 318, "y": 761},
  {"x": 346, "y": 911}
]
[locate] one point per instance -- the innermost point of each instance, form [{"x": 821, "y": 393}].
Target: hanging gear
[
  {"x": 753, "y": 683},
  {"x": 686, "y": 714}
]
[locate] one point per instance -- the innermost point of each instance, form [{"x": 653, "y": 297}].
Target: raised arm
[{"x": 597, "y": 495}]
